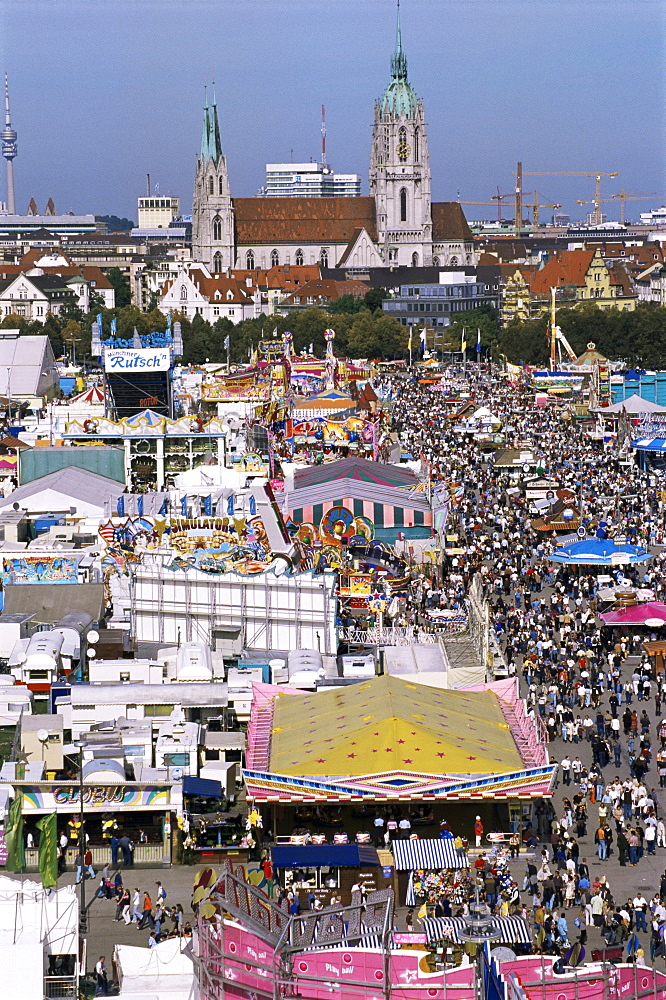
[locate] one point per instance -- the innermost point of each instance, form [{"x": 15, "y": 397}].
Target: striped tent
[
  {"x": 429, "y": 855},
  {"x": 512, "y": 930}
]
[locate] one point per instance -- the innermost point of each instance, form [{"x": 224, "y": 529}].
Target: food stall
[{"x": 327, "y": 869}]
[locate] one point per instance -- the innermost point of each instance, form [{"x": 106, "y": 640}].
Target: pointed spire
[
  {"x": 398, "y": 59},
  {"x": 215, "y": 144},
  {"x": 211, "y": 146}
]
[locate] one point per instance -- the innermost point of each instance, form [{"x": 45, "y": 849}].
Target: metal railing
[
  {"x": 57, "y": 987},
  {"x": 388, "y": 636}
]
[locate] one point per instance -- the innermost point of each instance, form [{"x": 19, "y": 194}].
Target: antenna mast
[
  {"x": 8, "y": 137},
  {"x": 323, "y": 135}
]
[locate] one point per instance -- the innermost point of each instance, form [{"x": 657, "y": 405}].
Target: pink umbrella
[{"x": 653, "y": 615}]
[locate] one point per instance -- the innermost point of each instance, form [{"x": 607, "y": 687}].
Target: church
[{"x": 396, "y": 225}]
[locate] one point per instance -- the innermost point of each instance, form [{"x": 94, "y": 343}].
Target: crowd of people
[{"x": 599, "y": 696}]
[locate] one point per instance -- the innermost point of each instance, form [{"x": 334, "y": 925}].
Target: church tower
[
  {"x": 212, "y": 210},
  {"x": 400, "y": 169}
]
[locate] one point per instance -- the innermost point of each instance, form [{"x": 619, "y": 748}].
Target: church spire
[
  {"x": 398, "y": 59},
  {"x": 211, "y": 145}
]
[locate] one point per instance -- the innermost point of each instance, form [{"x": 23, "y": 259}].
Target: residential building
[
  {"x": 435, "y": 305},
  {"x": 319, "y": 293},
  {"x": 196, "y": 292},
  {"x": 34, "y": 296},
  {"x": 83, "y": 280},
  {"x": 580, "y": 276},
  {"x": 309, "y": 180}
]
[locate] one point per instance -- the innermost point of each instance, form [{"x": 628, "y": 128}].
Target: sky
[{"x": 105, "y": 91}]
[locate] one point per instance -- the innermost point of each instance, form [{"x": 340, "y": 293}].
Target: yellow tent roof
[{"x": 388, "y": 724}]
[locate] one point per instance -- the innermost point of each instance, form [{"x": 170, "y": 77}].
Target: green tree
[
  {"x": 115, "y": 224},
  {"x": 121, "y": 284},
  {"x": 346, "y": 304},
  {"x": 374, "y": 297}
]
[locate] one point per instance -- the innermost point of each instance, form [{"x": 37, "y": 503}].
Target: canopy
[
  {"x": 432, "y": 855},
  {"x": 512, "y": 930},
  {"x": 93, "y": 394},
  {"x": 202, "y": 786},
  {"x": 637, "y": 614},
  {"x": 649, "y": 444},
  {"x": 599, "y": 552},
  {"x": 632, "y": 404},
  {"x": 324, "y": 855}
]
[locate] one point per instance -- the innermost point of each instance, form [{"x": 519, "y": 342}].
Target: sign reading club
[{"x": 138, "y": 360}]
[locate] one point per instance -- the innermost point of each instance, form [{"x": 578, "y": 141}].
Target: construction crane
[
  {"x": 496, "y": 199},
  {"x": 597, "y": 174},
  {"x": 535, "y": 205},
  {"x": 624, "y": 196}
]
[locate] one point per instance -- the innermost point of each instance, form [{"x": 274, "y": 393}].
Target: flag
[
  {"x": 164, "y": 507},
  {"x": 139, "y": 505},
  {"x": 230, "y": 505},
  {"x": 463, "y": 341},
  {"x": 208, "y": 505},
  {"x": 14, "y": 835},
  {"x": 183, "y": 505},
  {"x": 120, "y": 506},
  {"x": 114, "y": 326},
  {"x": 48, "y": 849},
  {"x": 422, "y": 913},
  {"x": 423, "y": 338},
  {"x": 478, "y": 340},
  {"x": 253, "y": 507},
  {"x": 226, "y": 342},
  {"x": 409, "y": 342},
  {"x": 99, "y": 323},
  {"x": 168, "y": 321}
]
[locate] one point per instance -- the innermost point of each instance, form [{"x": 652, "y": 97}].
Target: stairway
[{"x": 131, "y": 393}]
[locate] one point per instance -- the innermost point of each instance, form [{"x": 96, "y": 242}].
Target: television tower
[{"x": 8, "y": 137}]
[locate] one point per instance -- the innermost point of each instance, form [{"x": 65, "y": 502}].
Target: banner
[
  {"x": 137, "y": 360},
  {"x": 14, "y": 835},
  {"x": 48, "y": 849},
  {"x": 41, "y": 569}
]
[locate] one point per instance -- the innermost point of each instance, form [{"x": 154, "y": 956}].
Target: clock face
[{"x": 404, "y": 150}]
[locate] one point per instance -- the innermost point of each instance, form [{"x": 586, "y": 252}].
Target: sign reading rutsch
[{"x": 137, "y": 360}]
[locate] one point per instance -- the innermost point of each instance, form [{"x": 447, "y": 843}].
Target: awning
[
  {"x": 431, "y": 855},
  {"x": 326, "y": 855},
  {"x": 512, "y": 930},
  {"x": 202, "y": 786}
]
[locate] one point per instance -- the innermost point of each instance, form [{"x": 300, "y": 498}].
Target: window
[
  {"x": 415, "y": 259},
  {"x": 454, "y": 262},
  {"x": 211, "y": 185},
  {"x": 217, "y": 228},
  {"x": 435, "y": 262},
  {"x": 323, "y": 257},
  {"x": 299, "y": 258},
  {"x": 249, "y": 260},
  {"x": 403, "y": 205},
  {"x": 402, "y": 148},
  {"x": 183, "y": 292},
  {"x": 220, "y": 185},
  {"x": 416, "y": 144},
  {"x": 275, "y": 258},
  {"x": 217, "y": 262}
]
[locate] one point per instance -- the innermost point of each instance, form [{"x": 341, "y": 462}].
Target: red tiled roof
[
  {"x": 302, "y": 220},
  {"x": 326, "y": 289},
  {"x": 449, "y": 222}
]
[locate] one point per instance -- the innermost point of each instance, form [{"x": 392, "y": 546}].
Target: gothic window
[
  {"x": 211, "y": 185},
  {"x": 249, "y": 260},
  {"x": 454, "y": 262},
  {"x": 323, "y": 258},
  {"x": 435, "y": 262},
  {"x": 275, "y": 258},
  {"x": 299, "y": 258},
  {"x": 217, "y": 228},
  {"x": 416, "y": 144},
  {"x": 220, "y": 185},
  {"x": 403, "y": 205},
  {"x": 217, "y": 262},
  {"x": 183, "y": 292},
  {"x": 415, "y": 259}
]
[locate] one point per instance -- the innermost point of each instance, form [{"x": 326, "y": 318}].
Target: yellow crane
[
  {"x": 496, "y": 199},
  {"x": 535, "y": 205},
  {"x": 597, "y": 174},
  {"x": 624, "y": 196}
]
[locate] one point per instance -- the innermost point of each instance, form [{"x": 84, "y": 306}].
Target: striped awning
[
  {"x": 649, "y": 444},
  {"x": 431, "y": 855},
  {"x": 512, "y": 930}
]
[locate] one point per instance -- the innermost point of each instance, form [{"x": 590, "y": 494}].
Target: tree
[
  {"x": 345, "y": 304},
  {"x": 115, "y": 224},
  {"x": 374, "y": 297},
  {"x": 121, "y": 284}
]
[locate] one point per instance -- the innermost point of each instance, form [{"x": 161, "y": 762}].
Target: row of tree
[{"x": 362, "y": 330}]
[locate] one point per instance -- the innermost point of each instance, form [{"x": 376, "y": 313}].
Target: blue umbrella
[{"x": 599, "y": 552}]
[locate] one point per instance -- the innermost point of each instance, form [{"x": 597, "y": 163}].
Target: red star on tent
[
  {"x": 401, "y": 741},
  {"x": 321, "y": 761},
  {"x": 388, "y": 749},
  {"x": 471, "y": 758},
  {"x": 351, "y": 754},
  {"x": 408, "y": 761}
]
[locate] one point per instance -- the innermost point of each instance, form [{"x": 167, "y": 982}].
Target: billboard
[
  {"x": 142, "y": 359},
  {"x": 41, "y": 569}
]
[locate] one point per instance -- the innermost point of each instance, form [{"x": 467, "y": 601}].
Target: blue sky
[{"x": 105, "y": 91}]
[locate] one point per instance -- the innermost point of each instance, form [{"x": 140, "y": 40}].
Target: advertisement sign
[
  {"x": 41, "y": 569},
  {"x": 142, "y": 359}
]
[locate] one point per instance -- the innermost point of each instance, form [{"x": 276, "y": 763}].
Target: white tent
[
  {"x": 632, "y": 404},
  {"x": 167, "y": 970}
]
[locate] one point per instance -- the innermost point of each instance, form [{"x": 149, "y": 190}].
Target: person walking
[
  {"x": 88, "y": 863},
  {"x": 136, "y": 906},
  {"x": 102, "y": 981},
  {"x": 478, "y": 831},
  {"x": 147, "y": 915}
]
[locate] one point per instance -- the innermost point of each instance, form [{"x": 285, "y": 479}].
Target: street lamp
[{"x": 83, "y": 916}]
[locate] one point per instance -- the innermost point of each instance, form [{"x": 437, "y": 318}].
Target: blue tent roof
[
  {"x": 599, "y": 552},
  {"x": 649, "y": 444},
  {"x": 333, "y": 855}
]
